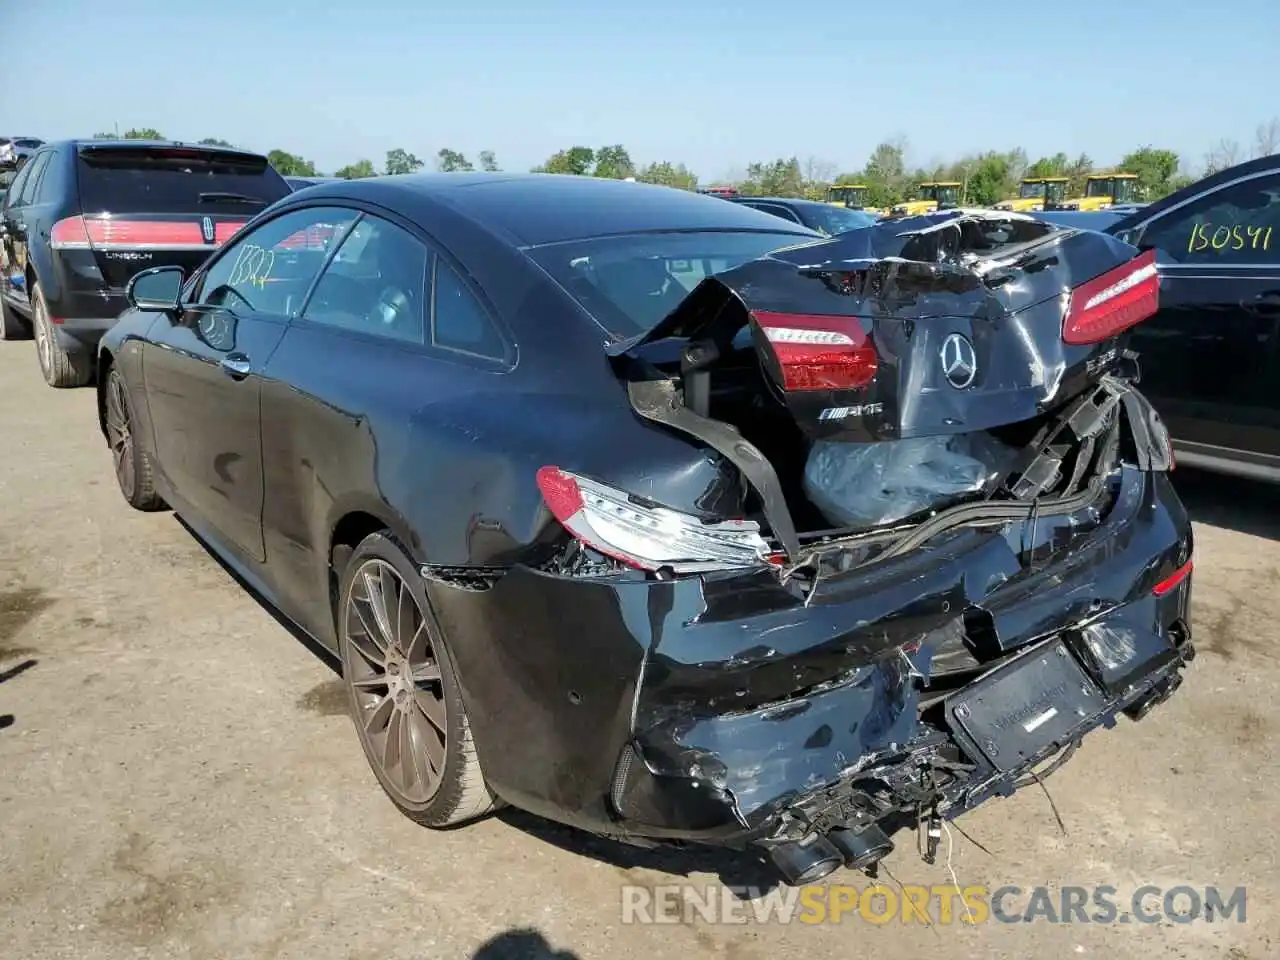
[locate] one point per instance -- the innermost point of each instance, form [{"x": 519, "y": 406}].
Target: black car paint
[
  {"x": 697, "y": 707},
  {"x": 301, "y": 183},
  {"x": 83, "y": 289},
  {"x": 1211, "y": 355}
]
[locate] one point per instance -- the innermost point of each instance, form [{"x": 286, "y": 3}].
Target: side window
[
  {"x": 1238, "y": 224},
  {"x": 16, "y": 187},
  {"x": 786, "y": 213},
  {"x": 51, "y": 182},
  {"x": 376, "y": 284},
  {"x": 35, "y": 168},
  {"x": 458, "y": 321},
  {"x": 270, "y": 269},
  {"x": 776, "y": 210}
]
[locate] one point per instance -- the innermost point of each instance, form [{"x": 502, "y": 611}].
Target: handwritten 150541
[{"x": 1205, "y": 236}]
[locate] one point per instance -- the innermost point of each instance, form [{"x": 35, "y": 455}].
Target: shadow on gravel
[
  {"x": 299, "y": 634},
  {"x": 10, "y": 672},
  {"x": 1233, "y": 503},
  {"x": 734, "y": 869},
  {"x": 17, "y": 609},
  {"x": 521, "y": 945}
]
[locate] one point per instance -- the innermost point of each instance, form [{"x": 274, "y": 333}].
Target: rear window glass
[
  {"x": 629, "y": 283},
  {"x": 175, "y": 181}
]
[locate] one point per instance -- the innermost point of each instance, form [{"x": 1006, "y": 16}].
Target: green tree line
[{"x": 985, "y": 177}]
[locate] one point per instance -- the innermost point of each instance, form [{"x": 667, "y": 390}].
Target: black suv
[{"x": 82, "y": 217}]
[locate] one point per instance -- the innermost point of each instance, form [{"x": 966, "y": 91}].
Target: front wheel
[{"x": 405, "y": 699}]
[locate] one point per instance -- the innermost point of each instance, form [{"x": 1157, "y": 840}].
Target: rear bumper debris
[{"x": 732, "y": 710}]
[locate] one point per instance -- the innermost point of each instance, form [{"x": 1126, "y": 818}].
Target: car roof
[{"x": 531, "y": 209}]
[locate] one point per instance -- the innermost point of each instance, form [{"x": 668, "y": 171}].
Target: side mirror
[{"x": 156, "y": 289}]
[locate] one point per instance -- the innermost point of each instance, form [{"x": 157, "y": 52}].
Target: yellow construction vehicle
[
  {"x": 1103, "y": 190},
  {"x": 934, "y": 195},
  {"x": 853, "y": 196},
  {"x": 1037, "y": 194}
]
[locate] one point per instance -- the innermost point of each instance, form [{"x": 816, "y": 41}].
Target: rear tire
[
  {"x": 405, "y": 699},
  {"x": 132, "y": 464},
  {"x": 60, "y": 368},
  {"x": 12, "y": 326}
]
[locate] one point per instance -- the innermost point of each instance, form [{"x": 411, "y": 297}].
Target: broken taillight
[
  {"x": 819, "y": 352},
  {"x": 647, "y": 537},
  {"x": 1169, "y": 583},
  {"x": 1113, "y": 302}
]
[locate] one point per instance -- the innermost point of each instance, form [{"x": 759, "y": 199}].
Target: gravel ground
[{"x": 178, "y": 777}]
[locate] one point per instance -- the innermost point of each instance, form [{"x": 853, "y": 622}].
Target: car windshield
[
  {"x": 28, "y": 142},
  {"x": 833, "y": 220},
  {"x": 631, "y": 282}
]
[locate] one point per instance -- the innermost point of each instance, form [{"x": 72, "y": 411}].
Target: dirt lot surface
[{"x": 178, "y": 777}]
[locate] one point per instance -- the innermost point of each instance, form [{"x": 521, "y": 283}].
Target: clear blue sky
[{"x": 715, "y": 85}]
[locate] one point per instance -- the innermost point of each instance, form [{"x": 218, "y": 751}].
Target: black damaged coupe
[{"x": 660, "y": 517}]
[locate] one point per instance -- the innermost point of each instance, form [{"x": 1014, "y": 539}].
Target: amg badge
[{"x": 860, "y": 410}]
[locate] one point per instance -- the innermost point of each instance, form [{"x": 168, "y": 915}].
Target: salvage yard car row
[{"x": 650, "y": 513}]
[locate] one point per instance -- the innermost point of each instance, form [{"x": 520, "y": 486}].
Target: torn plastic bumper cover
[
  {"x": 741, "y": 709},
  {"x": 982, "y": 667}
]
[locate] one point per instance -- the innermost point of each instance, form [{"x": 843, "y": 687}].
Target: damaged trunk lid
[
  {"x": 918, "y": 363},
  {"x": 918, "y": 327}
]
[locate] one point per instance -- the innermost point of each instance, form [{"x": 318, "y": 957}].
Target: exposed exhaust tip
[
  {"x": 805, "y": 861},
  {"x": 861, "y": 849},
  {"x": 1158, "y": 695}
]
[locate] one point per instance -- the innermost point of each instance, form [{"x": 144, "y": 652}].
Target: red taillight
[
  {"x": 69, "y": 234},
  {"x": 108, "y": 233},
  {"x": 1112, "y": 303},
  {"x": 1171, "y": 582},
  {"x": 225, "y": 230},
  {"x": 610, "y": 522},
  {"x": 561, "y": 493},
  {"x": 819, "y": 352},
  {"x": 315, "y": 237}
]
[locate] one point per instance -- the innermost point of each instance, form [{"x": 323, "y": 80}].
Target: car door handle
[
  {"x": 236, "y": 366},
  {"x": 1265, "y": 303}
]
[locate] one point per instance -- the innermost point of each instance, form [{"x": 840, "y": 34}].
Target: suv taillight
[
  {"x": 1112, "y": 303},
  {"x": 70, "y": 234},
  {"x": 111, "y": 233}
]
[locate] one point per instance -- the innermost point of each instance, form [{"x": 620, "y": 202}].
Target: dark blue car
[{"x": 668, "y": 519}]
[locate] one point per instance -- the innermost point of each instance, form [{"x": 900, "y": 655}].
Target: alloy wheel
[
  {"x": 395, "y": 682},
  {"x": 120, "y": 432},
  {"x": 44, "y": 339}
]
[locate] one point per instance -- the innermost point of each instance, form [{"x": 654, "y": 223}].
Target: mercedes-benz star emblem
[{"x": 959, "y": 362}]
